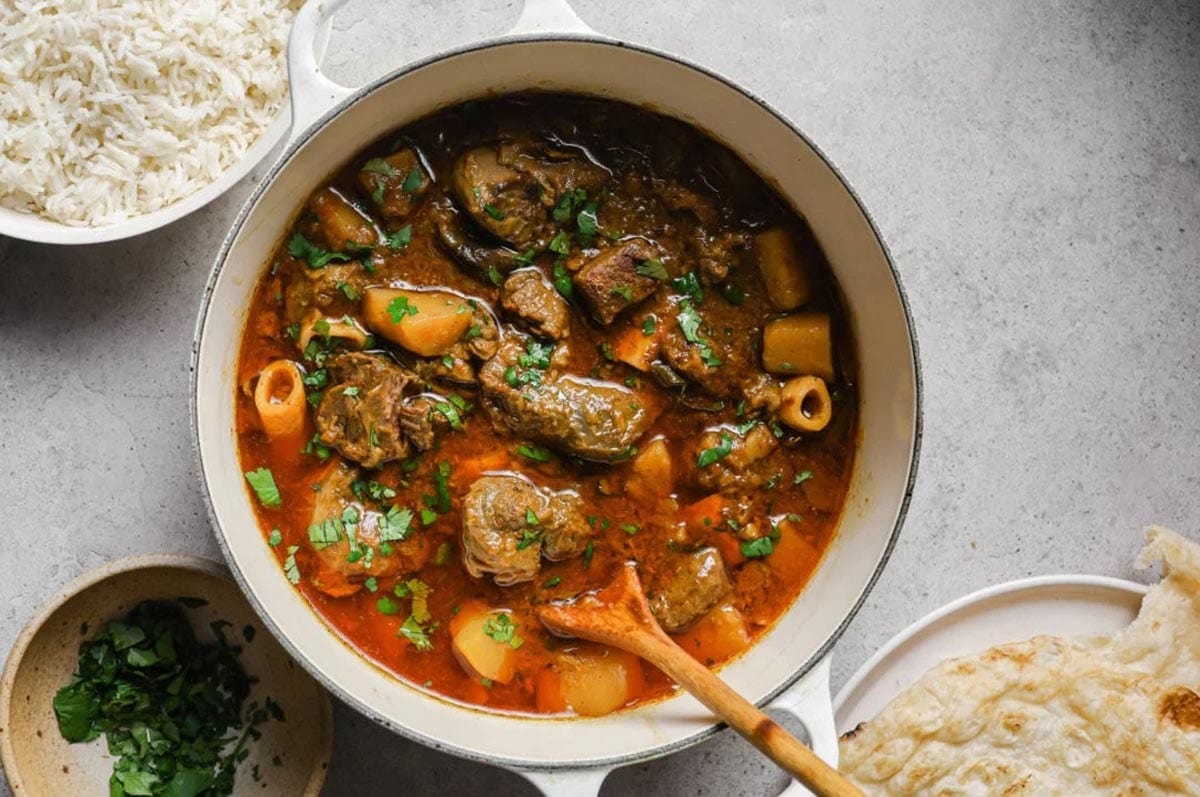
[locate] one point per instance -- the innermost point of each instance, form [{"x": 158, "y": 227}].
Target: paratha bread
[{"x": 1052, "y": 716}]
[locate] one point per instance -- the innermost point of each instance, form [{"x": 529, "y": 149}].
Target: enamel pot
[{"x": 551, "y": 49}]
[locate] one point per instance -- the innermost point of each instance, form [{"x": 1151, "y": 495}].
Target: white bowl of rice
[{"x": 120, "y": 116}]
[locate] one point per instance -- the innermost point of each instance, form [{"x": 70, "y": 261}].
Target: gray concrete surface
[{"x": 1035, "y": 167}]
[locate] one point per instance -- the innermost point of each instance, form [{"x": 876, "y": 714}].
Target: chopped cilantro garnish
[
  {"x": 395, "y": 525},
  {"x": 414, "y": 633},
  {"x": 275, "y": 537},
  {"x": 428, "y": 516},
  {"x": 495, "y": 212},
  {"x": 263, "y": 483},
  {"x": 588, "y": 552},
  {"x": 526, "y": 257},
  {"x": 757, "y": 548},
  {"x": 560, "y": 243},
  {"x": 689, "y": 285},
  {"x": 562, "y": 280},
  {"x": 441, "y": 483},
  {"x": 327, "y": 532},
  {"x": 399, "y": 307},
  {"x": 494, "y": 275},
  {"x": 553, "y": 581},
  {"x": 400, "y": 238},
  {"x": 412, "y": 182},
  {"x": 586, "y": 221},
  {"x": 630, "y": 528},
  {"x": 537, "y": 355},
  {"x": 450, "y": 412},
  {"x": 653, "y": 269},
  {"x": 502, "y": 629},
  {"x": 710, "y": 455},
  {"x": 802, "y": 477},
  {"x": 290, "y": 569},
  {"x": 624, "y": 291},
  {"x": 536, "y": 453},
  {"x": 648, "y": 326},
  {"x": 302, "y": 248},
  {"x": 387, "y": 606},
  {"x": 379, "y": 166},
  {"x": 529, "y": 537},
  {"x": 567, "y": 204}
]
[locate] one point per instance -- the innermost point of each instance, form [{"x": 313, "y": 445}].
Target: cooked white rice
[{"x": 114, "y": 108}]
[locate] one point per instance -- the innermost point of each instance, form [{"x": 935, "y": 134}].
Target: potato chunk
[
  {"x": 427, "y": 323},
  {"x": 592, "y": 681},
  {"x": 479, "y": 653},
  {"x": 343, "y": 225},
  {"x": 786, "y": 277},
  {"x": 799, "y": 344}
]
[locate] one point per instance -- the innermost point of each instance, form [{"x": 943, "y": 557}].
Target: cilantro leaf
[
  {"x": 262, "y": 481},
  {"x": 304, "y": 249}
]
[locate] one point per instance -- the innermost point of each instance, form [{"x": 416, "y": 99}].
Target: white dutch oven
[{"x": 551, "y": 49}]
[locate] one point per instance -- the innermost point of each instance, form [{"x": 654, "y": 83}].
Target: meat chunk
[
  {"x": 500, "y": 199},
  {"x": 421, "y": 422},
  {"x": 509, "y": 523},
  {"x": 480, "y": 260},
  {"x": 746, "y": 465},
  {"x": 531, "y": 298},
  {"x": 589, "y": 418},
  {"x": 509, "y": 188},
  {"x": 565, "y": 530},
  {"x": 395, "y": 183},
  {"x": 693, "y": 584},
  {"x": 610, "y": 282},
  {"x": 358, "y": 414},
  {"x": 343, "y": 525}
]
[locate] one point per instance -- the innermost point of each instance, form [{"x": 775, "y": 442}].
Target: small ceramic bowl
[{"x": 39, "y": 762}]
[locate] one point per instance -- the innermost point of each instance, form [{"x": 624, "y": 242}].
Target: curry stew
[{"x": 518, "y": 343}]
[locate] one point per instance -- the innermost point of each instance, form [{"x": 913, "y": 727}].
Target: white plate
[{"x": 1068, "y": 606}]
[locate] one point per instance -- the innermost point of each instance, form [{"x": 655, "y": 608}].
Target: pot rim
[{"x": 297, "y": 140}]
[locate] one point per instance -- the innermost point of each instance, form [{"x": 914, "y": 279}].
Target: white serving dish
[{"x": 1064, "y": 606}]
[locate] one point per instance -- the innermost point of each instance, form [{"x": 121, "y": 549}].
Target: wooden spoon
[{"x": 618, "y": 615}]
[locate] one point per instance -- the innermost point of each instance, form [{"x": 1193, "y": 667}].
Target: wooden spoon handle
[{"x": 740, "y": 714}]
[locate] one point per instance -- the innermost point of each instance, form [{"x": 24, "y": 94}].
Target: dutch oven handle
[
  {"x": 313, "y": 94},
  {"x": 810, "y": 701}
]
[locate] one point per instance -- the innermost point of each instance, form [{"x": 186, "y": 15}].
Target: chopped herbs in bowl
[
  {"x": 172, "y": 709},
  {"x": 151, "y": 676}
]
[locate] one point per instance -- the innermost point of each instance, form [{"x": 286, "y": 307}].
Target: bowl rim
[
  {"x": 34, "y": 227},
  {"x": 84, "y": 582},
  {"x": 299, "y": 138}
]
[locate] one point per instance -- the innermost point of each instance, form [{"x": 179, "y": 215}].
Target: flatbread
[{"x": 1110, "y": 716}]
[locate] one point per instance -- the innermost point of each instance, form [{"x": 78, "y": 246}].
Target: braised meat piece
[
  {"x": 509, "y": 523},
  {"x": 531, "y": 298},
  {"x": 342, "y": 524},
  {"x": 610, "y": 283},
  {"x": 395, "y": 183},
  {"x": 589, "y": 418},
  {"x": 358, "y": 413},
  {"x": 499, "y": 198},
  {"x": 745, "y": 466},
  {"x": 687, "y": 588},
  {"x": 510, "y": 188},
  {"x": 421, "y": 421},
  {"x": 481, "y": 261}
]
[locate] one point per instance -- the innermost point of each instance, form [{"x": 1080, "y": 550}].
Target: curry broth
[{"x": 809, "y": 483}]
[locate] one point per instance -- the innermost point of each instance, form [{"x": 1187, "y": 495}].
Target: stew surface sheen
[{"x": 526, "y": 340}]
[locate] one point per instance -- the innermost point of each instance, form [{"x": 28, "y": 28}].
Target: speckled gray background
[{"x": 1035, "y": 168}]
